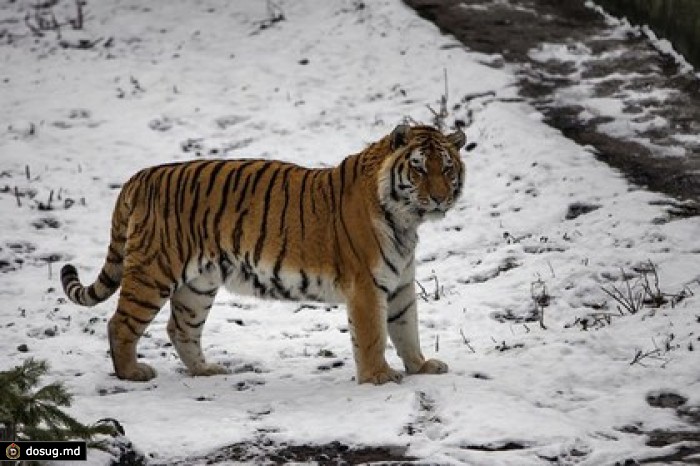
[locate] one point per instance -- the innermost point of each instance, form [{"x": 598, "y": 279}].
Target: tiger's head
[{"x": 423, "y": 176}]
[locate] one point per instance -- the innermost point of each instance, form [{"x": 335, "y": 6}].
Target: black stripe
[
  {"x": 260, "y": 173},
  {"x": 68, "y": 270},
  {"x": 380, "y": 286},
  {"x": 395, "y": 236},
  {"x": 196, "y": 180},
  {"x": 166, "y": 193},
  {"x": 302, "y": 193},
  {"x": 250, "y": 275},
  {"x": 141, "y": 303},
  {"x": 239, "y": 172},
  {"x": 280, "y": 258},
  {"x": 106, "y": 280},
  {"x": 184, "y": 217},
  {"x": 173, "y": 316},
  {"x": 113, "y": 260},
  {"x": 165, "y": 268},
  {"x": 386, "y": 260},
  {"x": 281, "y": 289},
  {"x": 179, "y": 307},
  {"x": 131, "y": 328},
  {"x": 182, "y": 186},
  {"x": 266, "y": 211},
  {"x": 71, "y": 287},
  {"x": 197, "y": 325},
  {"x": 92, "y": 294},
  {"x": 400, "y": 314},
  {"x": 211, "y": 293},
  {"x": 393, "y": 193},
  {"x": 314, "y": 193},
  {"x": 398, "y": 291},
  {"x": 242, "y": 195},
  {"x": 214, "y": 175},
  {"x": 223, "y": 204},
  {"x": 135, "y": 319},
  {"x": 149, "y": 173},
  {"x": 341, "y": 189},
  {"x": 341, "y": 213},
  {"x": 332, "y": 189},
  {"x": 151, "y": 196},
  {"x": 193, "y": 224},
  {"x": 285, "y": 183},
  {"x": 336, "y": 270},
  {"x": 113, "y": 256},
  {"x": 347, "y": 234},
  {"x": 148, "y": 283},
  {"x": 198, "y": 231},
  {"x": 304, "y": 287},
  {"x": 238, "y": 233},
  {"x": 276, "y": 280},
  {"x": 174, "y": 236}
]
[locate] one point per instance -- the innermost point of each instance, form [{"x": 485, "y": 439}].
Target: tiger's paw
[
  {"x": 207, "y": 369},
  {"x": 433, "y": 366},
  {"x": 381, "y": 377},
  {"x": 139, "y": 372}
]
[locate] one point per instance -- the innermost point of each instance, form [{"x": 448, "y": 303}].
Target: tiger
[{"x": 273, "y": 229}]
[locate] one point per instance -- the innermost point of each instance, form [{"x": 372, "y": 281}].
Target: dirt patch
[
  {"x": 334, "y": 453},
  {"x": 659, "y": 151}
]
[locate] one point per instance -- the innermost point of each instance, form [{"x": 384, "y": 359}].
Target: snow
[
  {"x": 662, "y": 45},
  {"x": 203, "y": 79},
  {"x": 631, "y": 110}
]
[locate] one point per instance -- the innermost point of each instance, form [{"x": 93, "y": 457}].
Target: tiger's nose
[{"x": 439, "y": 199}]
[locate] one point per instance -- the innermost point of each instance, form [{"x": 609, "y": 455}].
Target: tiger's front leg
[
  {"x": 367, "y": 320},
  {"x": 402, "y": 321}
]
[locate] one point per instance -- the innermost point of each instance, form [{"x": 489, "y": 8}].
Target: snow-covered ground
[
  {"x": 542, "y": 225},
  {"x": 626, "y": 100}
]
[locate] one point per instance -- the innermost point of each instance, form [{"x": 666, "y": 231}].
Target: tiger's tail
[{"x": 109, "y": 279}]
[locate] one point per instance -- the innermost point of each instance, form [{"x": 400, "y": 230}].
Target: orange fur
[{"x": 278, "y": 230}]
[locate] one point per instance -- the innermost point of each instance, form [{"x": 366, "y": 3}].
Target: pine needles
[{"x": 28, "y": 412}]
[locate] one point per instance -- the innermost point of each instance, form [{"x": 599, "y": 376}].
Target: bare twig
[
  {"x": 434, "y": 295},
  {"x": 441, "y": 115},
  {"x": 274, "y": 15},
  {"x": 542, "y": 299},
  {"x": 77, "y": 23},
  {"x": 640, "y": 355},
  {"x": 423, "y": 294},
  {"x": 646, "y": 291},
  {"x": 438, "y": 289},
  {"x": 44, "y": 19},
  {"x": 466, "y": 341},
  {"x": 631, "y": 302},
  {"x": 34, "y": 29}
]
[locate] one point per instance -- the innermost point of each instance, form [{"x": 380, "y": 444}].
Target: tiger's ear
[
  {"x": 399, "y": 136},
  {"x": 457, "y": 139}
]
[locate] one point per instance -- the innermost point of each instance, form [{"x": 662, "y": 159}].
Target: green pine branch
[{"x": 31, "y": 413}]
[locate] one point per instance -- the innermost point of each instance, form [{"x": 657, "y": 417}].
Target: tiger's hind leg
[
  {"x": 189, "y": 308},
  {"x": 140, "y": 300}
]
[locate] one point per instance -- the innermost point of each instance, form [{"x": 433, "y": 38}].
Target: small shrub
[{"x": 29, "y": 412}]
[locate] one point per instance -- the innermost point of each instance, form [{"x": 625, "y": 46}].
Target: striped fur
[{"x": 277, "y": 230}]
